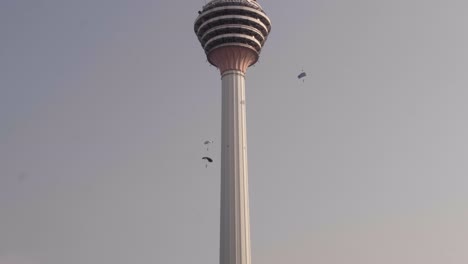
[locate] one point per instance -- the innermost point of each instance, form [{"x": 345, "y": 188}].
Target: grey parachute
[
  {"x": 302, "y": 75},
  {"x": 207, "y": 143}
]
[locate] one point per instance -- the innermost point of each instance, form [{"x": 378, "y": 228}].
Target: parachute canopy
[
  {"x": 208, "y": 159},
  {"x": 301, "y": 75}
]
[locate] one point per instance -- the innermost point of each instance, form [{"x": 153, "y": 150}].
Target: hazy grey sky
[{"x": 105, "y": 104}]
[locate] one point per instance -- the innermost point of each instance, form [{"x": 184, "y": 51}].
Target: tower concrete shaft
[
  {"x": 232, "y": 33},
  {"x": 235, "y": 219}
]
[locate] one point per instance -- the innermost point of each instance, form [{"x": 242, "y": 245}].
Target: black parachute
[{"x": 208, "y": 159}]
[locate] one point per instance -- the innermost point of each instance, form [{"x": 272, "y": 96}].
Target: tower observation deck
[{"x": 236, "y": 27}]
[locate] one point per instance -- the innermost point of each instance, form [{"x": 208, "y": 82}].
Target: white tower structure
[{"x": 232, "y": 33}]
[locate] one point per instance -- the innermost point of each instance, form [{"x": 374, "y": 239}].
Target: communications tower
[{"x": 232, "y": 33}]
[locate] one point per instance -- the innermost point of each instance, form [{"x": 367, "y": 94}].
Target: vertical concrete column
[{"x": 235, "y": 218}]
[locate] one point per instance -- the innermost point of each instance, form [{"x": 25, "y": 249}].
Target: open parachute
[
  {"x": 302, "y": 75},
  {"x": 208, "y": 159},
  {"x": 207, "y": 143}
]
